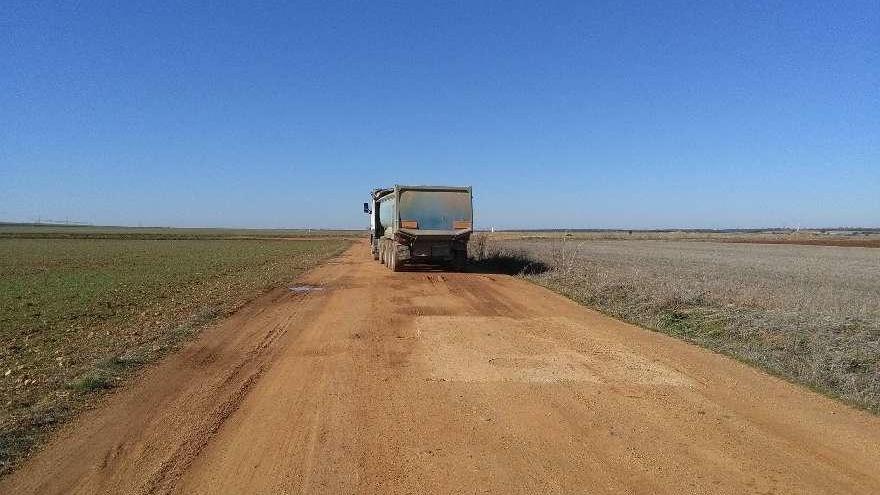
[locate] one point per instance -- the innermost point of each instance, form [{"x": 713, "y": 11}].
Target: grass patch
[
  {"x": 79, "y": 315},
  {"x": 91, "y": 381},
  {"x": 107, "y": 373}
]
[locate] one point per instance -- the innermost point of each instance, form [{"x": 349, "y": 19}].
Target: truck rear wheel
[{"x": 393, "y": 262}]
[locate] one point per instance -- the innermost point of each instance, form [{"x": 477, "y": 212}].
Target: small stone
[{"x": 8, "y": 372}]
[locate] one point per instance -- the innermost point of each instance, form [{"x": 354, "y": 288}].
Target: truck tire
[{"x": 393, "y": 262}]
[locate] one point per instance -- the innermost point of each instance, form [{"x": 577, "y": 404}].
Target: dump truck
[{"x": 420, "y": 225}]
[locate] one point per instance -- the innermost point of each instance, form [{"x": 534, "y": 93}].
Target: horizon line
[{"x": 482, "y": 229}]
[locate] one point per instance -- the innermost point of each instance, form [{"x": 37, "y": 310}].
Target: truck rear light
[
  {"x": 409, "y": 224},
  {"x": 461, "y": 224}
]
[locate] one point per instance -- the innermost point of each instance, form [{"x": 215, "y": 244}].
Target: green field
[
  {"x": 36, "y": 231},
  {"x": 81, "y": 310}
]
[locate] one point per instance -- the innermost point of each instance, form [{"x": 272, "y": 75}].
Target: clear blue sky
[{"x": 581, "y": 114}]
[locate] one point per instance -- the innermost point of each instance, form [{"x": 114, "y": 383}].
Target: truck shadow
[
  {"x": 425, "y": 268},
  {"x": 500, "y": 264},
  {"x": 507, "y": 264}
]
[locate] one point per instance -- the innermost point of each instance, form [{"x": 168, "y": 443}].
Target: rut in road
[{"x": 430, "y": 382}]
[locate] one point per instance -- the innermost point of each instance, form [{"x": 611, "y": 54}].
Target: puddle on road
[{"x": 301, "y": 289}]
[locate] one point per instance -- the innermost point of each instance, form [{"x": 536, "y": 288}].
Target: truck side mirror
[{"x": 367, "y": 208}]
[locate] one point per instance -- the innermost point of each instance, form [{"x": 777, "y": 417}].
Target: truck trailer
[{"x": 420, "y": 225}]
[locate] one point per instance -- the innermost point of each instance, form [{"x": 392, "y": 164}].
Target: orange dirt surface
[{"x": 429, "y": 382}]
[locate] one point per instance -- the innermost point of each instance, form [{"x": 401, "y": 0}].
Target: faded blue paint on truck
[
  {"x": 435, "y": 210},
  {"x": 387, "y": 212}
]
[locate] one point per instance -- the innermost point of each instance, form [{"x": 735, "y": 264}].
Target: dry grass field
[
  {"x": 826, "y": 237},
  {"x": 807, "y": 313},
  {"x": 80, "y": 308}
]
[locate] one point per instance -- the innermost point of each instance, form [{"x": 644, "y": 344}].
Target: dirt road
[{"x": 451, "y": 383}]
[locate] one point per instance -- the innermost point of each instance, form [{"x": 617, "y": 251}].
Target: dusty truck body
[{"x": 420, "y": 224}]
